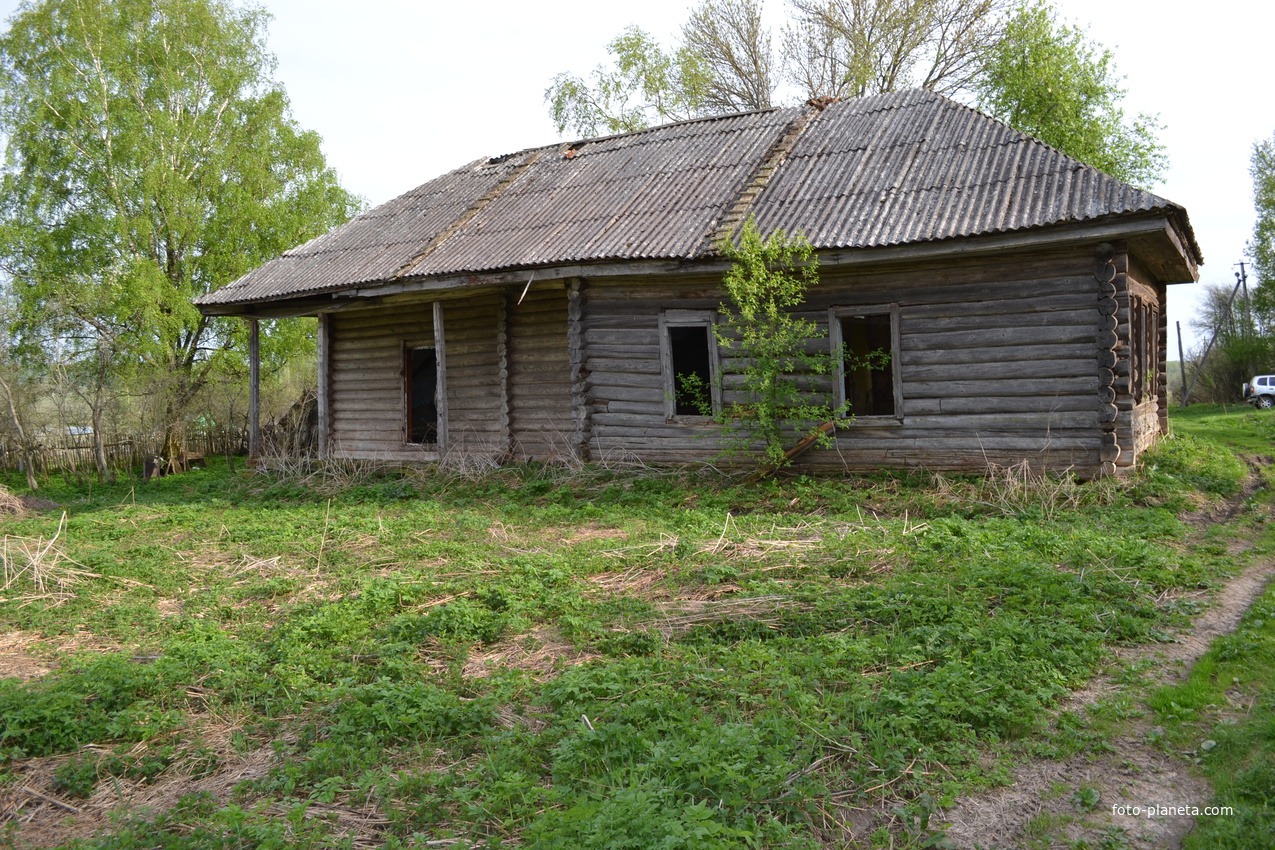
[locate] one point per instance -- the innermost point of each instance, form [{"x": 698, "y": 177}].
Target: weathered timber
[
  {"x": 1010, "y": 404},
  {"x": 254, "y": 388},
  {"x": 324, "y": 400},
  {"x": 1085, "y": 318},
  {"x": 540, "y": 391},
  {"x": 622, "y": 379},
  {"x": 1007, "y": 355},
  {"x": 1010, "y": 421},
  {"x": 1050, "y": 368},
  {"x": 1006, "y": 387},
  {"x": 1035, "y": 304},
  {"x": 994, "y": 337}
]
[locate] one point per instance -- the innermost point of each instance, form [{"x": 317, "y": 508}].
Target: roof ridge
[{"x": 702, "y": 119}]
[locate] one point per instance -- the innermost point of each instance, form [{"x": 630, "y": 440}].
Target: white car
[{"x": 1260, "y": 392}]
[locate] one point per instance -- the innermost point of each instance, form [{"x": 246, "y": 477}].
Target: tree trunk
[
  {"x": 27, "y": 458},
  {"x": 175, "y": 445},
  {"x": 99, "y": 448}
]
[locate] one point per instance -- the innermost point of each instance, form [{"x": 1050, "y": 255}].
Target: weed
[
  {"x": 551, "y": 657},
  {"x": 1086, "y": 798}
]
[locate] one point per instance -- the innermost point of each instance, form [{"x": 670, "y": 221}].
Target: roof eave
[{"x": 1161, "y": 241}]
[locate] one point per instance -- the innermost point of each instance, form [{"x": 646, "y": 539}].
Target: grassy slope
[
  {"x": 1223, "y": 715},
  {"x": 759, "y": 660}
]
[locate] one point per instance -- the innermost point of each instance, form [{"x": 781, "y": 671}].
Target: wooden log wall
[
  {"x": 368, "y": 419},
  {"x": 541, "y": 420},
  {"x": 625, "y": 383},
  {"x": 1141, "y": 421},
  {"x": 998, "y": 360},
  {"x": 367, "y": 401},
  {"x": 471, "y": 327}
]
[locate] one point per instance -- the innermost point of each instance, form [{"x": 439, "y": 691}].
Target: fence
[{"x": 74, "y": 454}]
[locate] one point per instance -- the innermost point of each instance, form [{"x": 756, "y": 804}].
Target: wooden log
[
  {"x": 324, "y": 400},
  {"x": 638, "y": 407},
  {"x": 803, "y": 445},
  {"x": 1009, "y": 421},
  {"x": 254, "y": 389},
  {"x": 1009, "y": 354},
  {"x": 621, "y": 379},
  {"x": 1031, "y": 369},
  {"x": 1018, "y": 304},
  {"x": 440, "y": 391},
  {"x": 996, "y": 337},
  {"x": 1002, "y": 404},
  {"x": 1084, "y": 318},
  {"x": 1008, "y": 387},
  {"x": 611, "y": 364},
  {"x": 650, "y": 396},
  {"x": 625, "y": 352},
  {"x": 623, "y": 336}
]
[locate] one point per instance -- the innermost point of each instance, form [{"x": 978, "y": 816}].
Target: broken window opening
[
  {"x": 421, "y": 388},
  {"x": 867, "y": 343},
  {"x": 692, "y": 369},
  {"x": 692, "y": 377}
]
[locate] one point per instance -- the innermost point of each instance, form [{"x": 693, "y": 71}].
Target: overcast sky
[{"x": 404, "y": 91}]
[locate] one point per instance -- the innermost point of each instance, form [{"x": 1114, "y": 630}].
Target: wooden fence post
[{"x": 254, "y": 389}]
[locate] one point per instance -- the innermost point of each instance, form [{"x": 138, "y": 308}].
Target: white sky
[{"x": 404, "y": 91}]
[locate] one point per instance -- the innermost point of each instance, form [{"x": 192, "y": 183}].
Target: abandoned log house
[{"x": 540, "y": 304}]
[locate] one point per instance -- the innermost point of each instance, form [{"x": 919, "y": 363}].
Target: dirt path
[{"x": 1041, "y": 805}]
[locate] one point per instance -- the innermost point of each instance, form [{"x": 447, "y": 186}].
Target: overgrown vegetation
[
  {"x": 1223, "y": 716},
  {"x": 597, "y": 658},
  {"x": 770, "y": 347},
  {"x": 150, "y": 157}
]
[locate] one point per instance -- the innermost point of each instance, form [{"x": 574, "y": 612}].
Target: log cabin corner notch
[{"x": 1021, "y": 293}]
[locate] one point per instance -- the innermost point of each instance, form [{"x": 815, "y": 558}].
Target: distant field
[{"x": 622, "y": 658}]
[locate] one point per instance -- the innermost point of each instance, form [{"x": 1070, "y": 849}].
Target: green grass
[
  {"x": 1236, "y": 425},
  {"x": 1223, "y": 716},
  {"x": 595, "y": 659}
]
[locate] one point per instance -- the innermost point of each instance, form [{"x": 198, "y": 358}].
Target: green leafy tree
[
  {"x": 1241, "y": 341},
  {"x": 1049, "y": 80},
  {"x": 724, "y": 63},
  {"x": 778, "y": 394},
  {"x": 732, "y": 53},
  {"x": 647, "y": 85},
  {"x": 852, "y": 48},
  {"x": 1262, "y": 246},
  {"x": 1019, "y": 63},
  {"x": 150, "y": 158}
]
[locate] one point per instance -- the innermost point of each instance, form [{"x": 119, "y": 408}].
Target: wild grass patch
[
  {"x": 1223, "y": 718},
  {"x": 547, "y": 658}
]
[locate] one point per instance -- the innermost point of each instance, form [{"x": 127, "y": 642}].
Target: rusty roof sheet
[{"x": 886, "y": 170}]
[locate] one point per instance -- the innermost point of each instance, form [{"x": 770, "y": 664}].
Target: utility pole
[
  {"x": 1181, "y": 362},
  {"x": 1242, "y": 277}
]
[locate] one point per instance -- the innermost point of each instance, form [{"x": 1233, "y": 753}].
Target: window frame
[
  {"x": 671, "y": 318},
  {"x": 437, "y": 342},
  {"x": 836, "y": 341},
  {"x": 409, "y": 348}
]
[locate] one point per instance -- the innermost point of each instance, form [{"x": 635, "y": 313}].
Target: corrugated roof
[{"x": 886, "y": 170}]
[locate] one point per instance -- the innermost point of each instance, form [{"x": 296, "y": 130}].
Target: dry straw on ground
[
  {"x": 35, "y": 569},
  {"x": 11, "y": 504}
]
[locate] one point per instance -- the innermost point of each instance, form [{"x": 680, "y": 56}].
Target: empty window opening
[
  {"x": 869, "y": 365},
  {"x": 692, "y": 369},
  {"x": 422, "y": 391}
]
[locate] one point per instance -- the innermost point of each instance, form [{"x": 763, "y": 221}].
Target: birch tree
[{"x": 150, "y": 158}]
